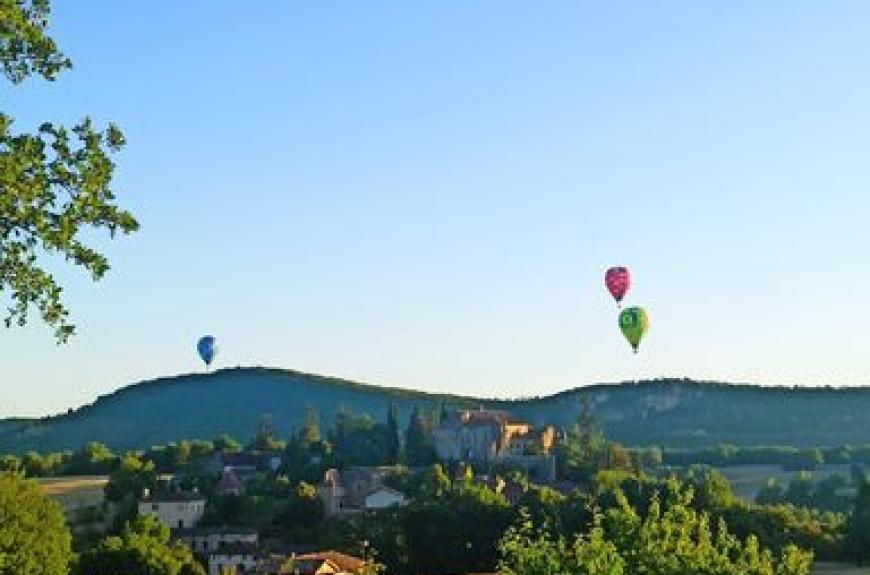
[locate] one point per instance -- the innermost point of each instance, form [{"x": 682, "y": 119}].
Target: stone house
[
  {"x": 229, "y": 483},
  {"x": 178, "y": 510},
  {"x": 383, "y": 498},
  {"x": 492, "y": 437},
  {"x": 239, "y": 558},
  {"x": 489, "y": 436},
  {"x": 243, "y": 464},
  {"x": 357, "y": 489}
]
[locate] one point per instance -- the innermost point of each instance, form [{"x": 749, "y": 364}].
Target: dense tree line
[
  {"x": 469, "y": 519},
  {"x": 677, "y": 540},
  {"x": 623, "y": 512},
  {"x": 792, "y": 458},
  {"x": 832, "y": 493},
  {"x": 143, "y": 547},
  {"x": 352, "y": 439},
  {"x": 463, "y": 512}
]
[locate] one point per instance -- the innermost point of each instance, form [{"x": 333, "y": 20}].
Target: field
[
  {"x": 746, "y": 480},
  {"x": 75, "y": 493}
]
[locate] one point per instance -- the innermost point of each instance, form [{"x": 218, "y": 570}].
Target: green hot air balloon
[{"x": 634, "y": 323}]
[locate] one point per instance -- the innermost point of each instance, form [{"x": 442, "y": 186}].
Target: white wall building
[
  {"x": 234, "y": 558},
  {"x": 207, "y": 539},
  {"x": 383, "y": 498},
  {"x": 177, "y": 510},
  {"x": 356, "y": 490}
]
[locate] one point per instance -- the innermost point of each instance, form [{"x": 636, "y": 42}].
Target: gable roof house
[
  {"x": 229, "y": 483},
  {"x": 205, "y": 539},
  {"x": 238, "y": 557},
  {"x": 383, "y": 498},
  {"x": 243, "y": 464},
  {"x": 320, "y": 563},
  {"x": 178, "y": 510},
  {"x": 357, "y": 489}
]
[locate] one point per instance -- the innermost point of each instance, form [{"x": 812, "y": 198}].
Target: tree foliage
[
  {"x": 830, "y": 493},
  {"x": 310, "y": 435},
  {"x": 859, "y": 526},
  {"x": 130, "y": 479},
  {"x": 143, "y": 548},
  {"x": 420, "y": 437},
  {"x": 676, "y": 540},
  {"x": 302, "y": 514},
  {"x": 25, "y": 48},
  {"x": 525, "y": 550},
  {"x": 33, "y": 537},
  {"x": 55, "y": 184}
]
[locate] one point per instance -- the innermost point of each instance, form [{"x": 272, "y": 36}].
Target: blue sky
[{"x": 426, "y": 194}]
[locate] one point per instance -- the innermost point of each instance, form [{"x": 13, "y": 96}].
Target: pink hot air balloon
[{"x": 618, "y": 281}]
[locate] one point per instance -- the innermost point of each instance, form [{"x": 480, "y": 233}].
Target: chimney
[{"x": 146, "y": 493}]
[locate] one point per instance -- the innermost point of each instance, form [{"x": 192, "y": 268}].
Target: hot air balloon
[
  {"x": 617, "y": 280},
  {"x": 206, "y": 349},
  {"x": 634, "y": 323}
]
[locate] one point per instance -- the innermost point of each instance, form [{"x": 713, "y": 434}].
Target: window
[{"x": 155, "y": 507}]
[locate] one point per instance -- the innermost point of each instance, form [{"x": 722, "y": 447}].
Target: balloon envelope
[
  {"x": 618, "y": 281},
  {"x": 634, "y": 323},
  {"x": 206, "y": 349}
]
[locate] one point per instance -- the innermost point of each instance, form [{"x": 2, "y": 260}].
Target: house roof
[
  {"x": 346, "y": 563},
  {"x": 173, "y": 497},
  {"x": 229, "y": 482},
  {"x": 487, "y": 417},
  {"x": 365, "y": 473},
  {"x": 311, "y": 566},
  {"x": 216, "y": 530},
  {"x": 235, "y": 548},
  {"x": 389, "y": 490},
  {"x": 375, "y": 475},
  {"x": 240, "y": 459}
]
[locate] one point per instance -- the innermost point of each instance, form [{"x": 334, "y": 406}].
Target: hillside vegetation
[{"x": 668, "y": 413}]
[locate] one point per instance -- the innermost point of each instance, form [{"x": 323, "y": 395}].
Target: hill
[{"x": 673, "y": 413}]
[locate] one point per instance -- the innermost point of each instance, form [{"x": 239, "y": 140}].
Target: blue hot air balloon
[{"x": 206, "y": 348}]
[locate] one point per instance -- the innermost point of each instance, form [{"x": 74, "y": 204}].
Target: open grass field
[
  {"x": 746, "y": 480},
  {"x": 74, "y": 493}
]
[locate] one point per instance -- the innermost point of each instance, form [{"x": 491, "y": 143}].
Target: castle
[{"x": 490, "y": 437}]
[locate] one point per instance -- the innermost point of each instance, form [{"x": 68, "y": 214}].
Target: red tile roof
[
  {"x": 344, "y": 562},
  {"x": 173, "y": 497}
]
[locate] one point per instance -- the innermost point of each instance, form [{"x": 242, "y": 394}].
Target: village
[{"x": 474, "y": 442}]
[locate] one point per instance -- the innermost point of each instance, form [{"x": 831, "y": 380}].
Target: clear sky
[{"x": 426, "y": 194}]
